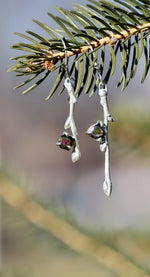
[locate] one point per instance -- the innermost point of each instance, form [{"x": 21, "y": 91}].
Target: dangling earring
[
  {"x": 70, "y": 123},
  {"x": 99, "y": 132},
  {"x": 65, "y": 141},
  {"x": 102, "y": 92}
]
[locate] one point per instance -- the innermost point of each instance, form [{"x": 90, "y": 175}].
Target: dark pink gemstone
[{"x": 65, "y": 142}]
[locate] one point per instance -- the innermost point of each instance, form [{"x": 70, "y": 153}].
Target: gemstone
[
  {"x": 97, "y": 131},
  {"x": 65, "y": 141}
]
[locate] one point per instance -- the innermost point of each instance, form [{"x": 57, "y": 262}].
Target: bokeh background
[{"x": 29, "y": 129}]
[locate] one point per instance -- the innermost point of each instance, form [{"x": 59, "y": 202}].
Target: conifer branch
[
  {"x": 112, "y": 39},
  {"x": 120, "y": 26}
]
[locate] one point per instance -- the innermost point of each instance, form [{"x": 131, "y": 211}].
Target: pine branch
[
  {"x": 88, "y": 31},
  {"x": 112, "y": 39}
]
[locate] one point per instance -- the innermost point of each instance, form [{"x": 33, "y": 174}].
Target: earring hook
[
  {"x": 97, "y": 67},
  {"x": 66, "y": 57}
]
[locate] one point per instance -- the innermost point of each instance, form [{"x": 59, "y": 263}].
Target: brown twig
[{"x": 111, "y": 40}]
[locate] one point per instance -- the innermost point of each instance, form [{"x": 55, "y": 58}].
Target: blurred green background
[{"x": 29, "y": 129}]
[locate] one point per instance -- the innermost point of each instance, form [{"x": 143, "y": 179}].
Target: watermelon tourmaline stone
[
  {"x": 97, "y": 131},
  {"x": 66, "y": 141}
]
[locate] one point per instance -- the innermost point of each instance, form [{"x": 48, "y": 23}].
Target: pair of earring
[{"x": 98, "y": 131}]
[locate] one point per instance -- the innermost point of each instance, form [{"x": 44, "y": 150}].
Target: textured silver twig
[
  {"x": 102, "y": 92},
  {"x": 70, "y": 123}
]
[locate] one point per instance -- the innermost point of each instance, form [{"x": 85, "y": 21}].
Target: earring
[
  {"x": 99, "y": 132},
  {"x": 70, "y": 123},
  {"x": 65, "y": 141},
  {"x": 102, "y": 92}
]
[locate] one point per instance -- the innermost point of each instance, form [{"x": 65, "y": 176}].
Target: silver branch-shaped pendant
[
  {"x": 66, "y": 141},
  {"x": 70, "y": 123},
  {"x": 99, "y": 132},
  {"x": 102, "y": 92}
]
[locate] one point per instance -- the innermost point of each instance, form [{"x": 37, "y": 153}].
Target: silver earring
[
  {"x": 70, "y": 123},
  {"x": 102, "y": 92},
  {"x": 99, "y": 132}
]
